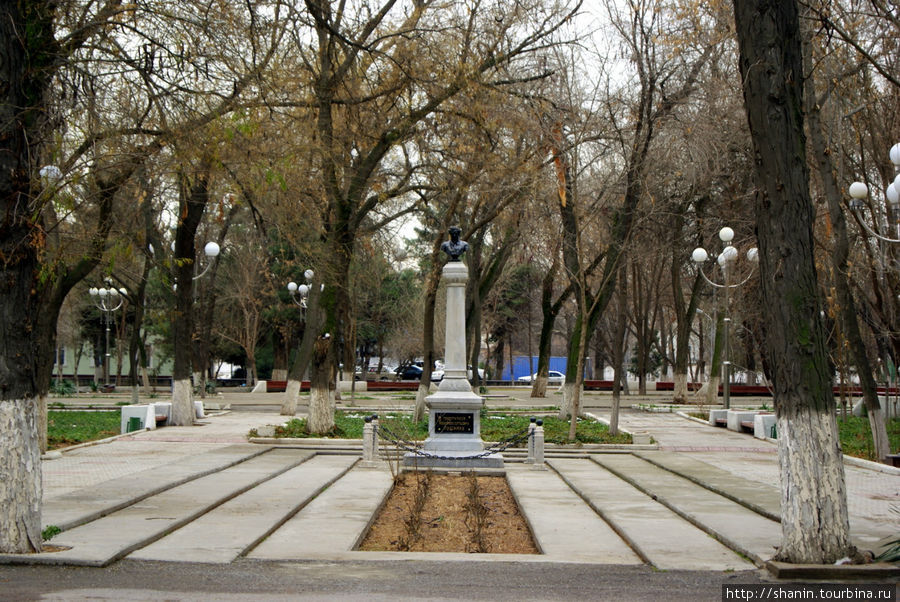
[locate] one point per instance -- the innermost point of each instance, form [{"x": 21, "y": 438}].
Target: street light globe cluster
[
  {"x": 104, "y": 292},
  {"x": 728, "y": 255},
  {"x": 303, "y": 289},
  {"x": 859, "y": 191}
]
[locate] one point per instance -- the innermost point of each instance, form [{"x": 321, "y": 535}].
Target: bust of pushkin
[{"x": 454, "y": 247}]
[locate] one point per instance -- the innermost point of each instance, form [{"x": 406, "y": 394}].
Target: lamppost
[
  {"x": 859, "y": 191},
  {"x": 107, "y": 299},
  {"x": 301, "y": 290},
  {"x": 725, "y": 260}
]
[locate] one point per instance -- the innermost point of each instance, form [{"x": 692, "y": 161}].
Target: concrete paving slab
[
  {"x": 332, "y": 523},
  {"x": 224, "y": 533},
  {"x": 114, "y": 536},
  {"x": 663, "y": 538},
  {"x": 563, "y": 526},
  {"x": 84, "y": 505},
  {"x": 762, "y": 498},
  {"x": 734, "y": 525}
]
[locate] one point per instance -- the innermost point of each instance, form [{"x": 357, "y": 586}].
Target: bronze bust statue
[{"x": 454, "y": 247}]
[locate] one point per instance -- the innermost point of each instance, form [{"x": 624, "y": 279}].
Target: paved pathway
[{"x": 203, "y": 494}]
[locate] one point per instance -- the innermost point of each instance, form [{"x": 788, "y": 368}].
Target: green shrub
[
  {"x": 49, "y": 532},
  {"x": 62, "y": 387}
]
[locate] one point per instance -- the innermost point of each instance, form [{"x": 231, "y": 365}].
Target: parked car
[
  {"x": 438, "y": 375},
  {"x": 387, "y": 372},
  {"x": 411, "y": 372},
  {"x": 553, "y": 378}
]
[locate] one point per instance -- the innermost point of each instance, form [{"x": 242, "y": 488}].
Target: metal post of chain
[
  {"x": 370, "y": 444},
  {"x": 531, "y": 427},
  {"x": 375, "y": 427},
  {"x": 538, "y": 443}
]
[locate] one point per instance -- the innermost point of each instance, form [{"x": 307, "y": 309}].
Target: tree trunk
[
  {"x": 20, "y": 487},
  {"x": 301, "y": 361},
  {"x": 684, "y": 315},
  {"x": 25, "y": 79},
  {"x": 815, "y": 525},
  {"x": 839, "y": 256},
  {"x": 321, "y": 388},
  {"x": 279, "y": 355},
  {"x": 618, "y": 355},
  {"x": 193, "y": 199},
  {"x": 333, "y": 302},
  {"x": 549, "y": 312},
  {"x": 432, "y": 282},
  {"x": 813, "y": 493},
  {"x": 711, "y": 388}
]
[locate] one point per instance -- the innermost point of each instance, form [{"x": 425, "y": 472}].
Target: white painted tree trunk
[
  {"x": 182, "y": 402},
  {"x": 712, "y": 390},
  {"x": 565, "y": 407},
  {"x": 321, "y": 410},
  {"x": 680, "y": 395},
  {"x": 20, "y": 477},
  {"x": 145, "y": 378},
  {"x": 814, "y": 519},
  {"x": 43, "y": 422},
  {"x": 421, "y": 394},
  {"x": 879, "y": 432},
  {"x": 291, "y": 396},
  {"x": 539, "y": 389}
]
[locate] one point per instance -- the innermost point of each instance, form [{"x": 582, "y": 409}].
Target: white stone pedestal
[{"x": 454, "y": 419}]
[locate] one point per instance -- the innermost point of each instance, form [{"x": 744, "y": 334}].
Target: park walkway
[{"x": 706, "y": 499}]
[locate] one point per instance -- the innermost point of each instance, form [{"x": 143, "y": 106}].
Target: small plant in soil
[
  {"x": 49, "y": 532},
  {"x": 476, "y": 516},
  {"x": 413, "y": 521}
]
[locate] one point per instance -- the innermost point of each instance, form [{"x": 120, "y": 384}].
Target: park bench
[
  {"x": 736, "y": 419},
  {"x": 718, "y": 418}
]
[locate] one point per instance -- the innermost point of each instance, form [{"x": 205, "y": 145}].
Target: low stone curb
[
  {"x": 316, "y": 442},
  {"x": 851, "y": 460},
  {"x": 876, "y": 466},
  {"x": 693, "y": 418},
  {"x": 57, "y": 453},
  {"x": 833, "y": 572}
]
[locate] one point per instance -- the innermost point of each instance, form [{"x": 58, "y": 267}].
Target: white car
[
  {"x": 553, "y": 378},
  {"x": 438, "y": 375}
]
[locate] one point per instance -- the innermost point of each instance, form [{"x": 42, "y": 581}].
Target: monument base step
[{"x": 453, "y": 460}]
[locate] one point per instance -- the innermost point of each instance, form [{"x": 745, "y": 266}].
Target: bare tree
[{"x": 815, "y": 527}]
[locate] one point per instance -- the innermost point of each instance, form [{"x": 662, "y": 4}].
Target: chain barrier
[{"x": 412, "y": 446}]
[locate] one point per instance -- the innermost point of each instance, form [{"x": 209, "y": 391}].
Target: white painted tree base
[
  {"x": 814, "y": 519},
  {"x": 182, "y": 403},
  {"x": 20, "y": 477},
  {"x": 291, "y": 395}
]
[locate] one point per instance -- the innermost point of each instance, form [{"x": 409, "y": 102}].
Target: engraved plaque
[{"x": 452, "y": 422}]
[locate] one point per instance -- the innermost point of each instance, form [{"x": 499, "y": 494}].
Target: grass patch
[
  {"x": 498, "y": 427},
  {"x": 71, "y": 428},
  {"x": 856, "y": 436},
  {"x": 349, "y": 425},
  {"x": 494, "y": 427}
]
